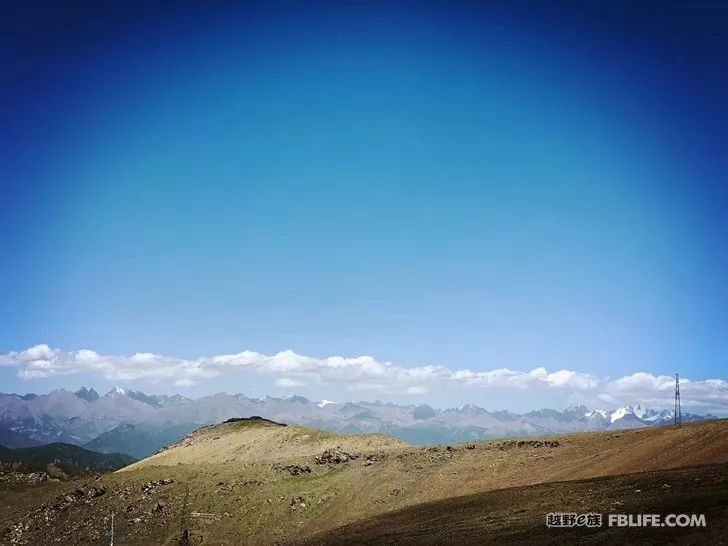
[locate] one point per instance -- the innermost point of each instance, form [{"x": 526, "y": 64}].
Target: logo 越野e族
[{"x": 571, "y": 519}]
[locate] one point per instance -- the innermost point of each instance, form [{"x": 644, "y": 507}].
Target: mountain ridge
[{"x": 85, "y": 418}]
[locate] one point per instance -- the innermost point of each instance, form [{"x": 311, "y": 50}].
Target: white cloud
[
  {"x": 538, "y": 377},
  {"x": 287, "y": 382},
  {"x": 366, "y": 374},
  {"x": 658, "y": 391}
]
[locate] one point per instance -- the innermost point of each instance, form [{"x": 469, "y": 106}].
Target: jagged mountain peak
[
  {"x": 150, "y": 399},
  {"x": 115, "y": 392},
  {"x": 469, "y": 409},
  {"x": 90, "y": 395},
  {"x": 638, "y": 411}
]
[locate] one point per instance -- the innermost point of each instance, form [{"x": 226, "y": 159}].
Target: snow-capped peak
[
  {"x": 595, "y": 413},
  {"x": 640, "y": 411},
  {"x": 295, "y": 398},
  {"x": 657, "y": 416},
  {"x": 324, "y": 403},
  {"x": 621, "y": 412},
  {"x": 116, "y": 392}
]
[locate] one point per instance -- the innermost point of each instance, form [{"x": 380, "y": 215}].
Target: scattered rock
[
  {"x": 334, "y": 456},
  {"x": 98, "y": 491},
  {"x": 149, "y": 487},
  {"x": 370, "y": 460},
  {"x": 15, "y": 532},
  {"x": 510, "y": 444},
  {"x": 28, "y": 478},
  {"x": 297, "y": 502}
]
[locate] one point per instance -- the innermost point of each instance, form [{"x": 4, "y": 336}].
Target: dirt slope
[
  {"x": 517, "y": 515},
  {"x": 259, "y": 483}
]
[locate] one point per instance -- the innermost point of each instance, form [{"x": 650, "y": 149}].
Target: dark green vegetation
[
  {"x": 140, "y": 440},
  {"x": 518, "y": 515},
  {"x": 70, "y": 458}
]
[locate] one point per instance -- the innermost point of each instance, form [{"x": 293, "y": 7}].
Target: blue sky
[{"x": 511, "y": 186}]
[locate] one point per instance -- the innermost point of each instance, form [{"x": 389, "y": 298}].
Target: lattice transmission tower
[{"x": 678, "y": 413}]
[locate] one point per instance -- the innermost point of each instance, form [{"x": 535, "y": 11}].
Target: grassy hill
[
  {"x": 256, "y": 482},
  {"x": 70, "y": 458},
  {"x": 247, "y": 441}
]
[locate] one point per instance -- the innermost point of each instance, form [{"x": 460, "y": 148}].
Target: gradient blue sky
[{"x": 471, "y": 185}]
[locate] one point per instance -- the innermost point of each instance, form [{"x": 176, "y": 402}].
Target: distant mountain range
[{"x": 139, "y": 424}]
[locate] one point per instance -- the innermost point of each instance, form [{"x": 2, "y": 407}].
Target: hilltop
[
  {"x": 261, "y": 482},
  {"x": 246, "y": 441}
]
